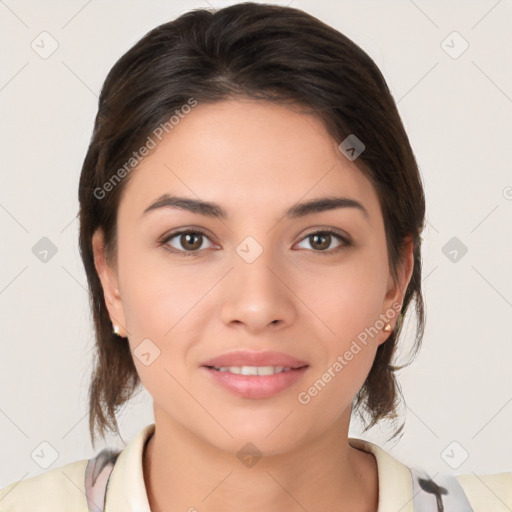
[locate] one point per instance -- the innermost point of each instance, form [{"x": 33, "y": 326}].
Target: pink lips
[
  {"x": 255, "y": 386},
  {"x": 246, "y": 358}
]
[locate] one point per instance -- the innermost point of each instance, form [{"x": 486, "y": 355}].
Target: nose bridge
[
  {"x": 255, "y": 267},
  {"x": 256, "y": 294}
]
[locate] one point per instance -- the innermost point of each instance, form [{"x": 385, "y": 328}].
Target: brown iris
[
  {"x": 191, "y": 241},
  {"x": 320, "y": 240}
]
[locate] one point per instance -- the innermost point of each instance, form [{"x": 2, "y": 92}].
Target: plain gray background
[{"x": 457, "y": 108}]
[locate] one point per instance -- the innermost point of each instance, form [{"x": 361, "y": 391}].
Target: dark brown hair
[{"x": 258, "y": 51}]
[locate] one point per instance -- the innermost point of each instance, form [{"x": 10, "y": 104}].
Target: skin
[{"x": 255, "y": 159}]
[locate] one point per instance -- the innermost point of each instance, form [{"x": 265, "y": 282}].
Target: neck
[{"x": 182, "y": 472}]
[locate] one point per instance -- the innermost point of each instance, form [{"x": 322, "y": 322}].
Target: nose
[{"x": 257, "y": 295}]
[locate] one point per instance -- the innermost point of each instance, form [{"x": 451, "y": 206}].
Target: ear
[
  {"x": 397, "y": 287},
  {"x": 109, "y": 282}
]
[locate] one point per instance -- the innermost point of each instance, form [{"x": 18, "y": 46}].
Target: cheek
[
  {"x": 349, "y": 308},
  {"x": 348, "y": 297},
  {"x": 164, "y": 306},
  {"x": 157, "y": 291}
]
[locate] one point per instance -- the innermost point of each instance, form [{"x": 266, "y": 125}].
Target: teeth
[
  {"x": 253, "y": 370},
  {"x": 269, "y": 370}
]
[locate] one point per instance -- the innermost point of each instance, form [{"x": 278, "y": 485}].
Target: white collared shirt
[{"x": 63, "y": 488}]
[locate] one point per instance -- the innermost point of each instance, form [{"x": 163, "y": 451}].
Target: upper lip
[{"x": 248, "y": 358}]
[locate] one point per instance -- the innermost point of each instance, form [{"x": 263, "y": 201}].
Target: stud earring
[
  {"x": 387, "y": 328},
  {"x": 115, "y": 330}
]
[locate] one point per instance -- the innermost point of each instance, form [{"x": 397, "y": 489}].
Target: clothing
[{"x": 63, "y": 489}]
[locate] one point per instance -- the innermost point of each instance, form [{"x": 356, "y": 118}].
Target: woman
[{"x": 250, "y": 224}]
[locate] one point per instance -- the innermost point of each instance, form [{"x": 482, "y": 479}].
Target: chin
[{"x": 272, "y": 433}]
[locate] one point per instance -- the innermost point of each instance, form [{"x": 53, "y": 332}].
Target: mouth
[
  {"x": 252, "y": 370},
  {"x": 254, "y": 374}
]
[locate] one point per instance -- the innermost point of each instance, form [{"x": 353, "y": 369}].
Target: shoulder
[
  {"x": 399, "y": 484},
  {"x": 59, "y": 489},
  {"x": 488, "y": 493}
]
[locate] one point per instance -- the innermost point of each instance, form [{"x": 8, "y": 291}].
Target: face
[{"x": 201, "y": 288}]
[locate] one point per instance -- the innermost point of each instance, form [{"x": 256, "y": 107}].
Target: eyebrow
[{"x": 214, "y": 210}]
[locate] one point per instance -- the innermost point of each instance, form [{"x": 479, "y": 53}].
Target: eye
[
  {"x": 192, "y": 242},
  {"x": 321, "y": 241},
  {"x": 186, "y": 242}
]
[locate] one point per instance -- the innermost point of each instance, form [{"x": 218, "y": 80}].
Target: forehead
[{"x": 249, "y": 153}]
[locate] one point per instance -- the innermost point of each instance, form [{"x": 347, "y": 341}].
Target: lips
[
  {"x": 255, "y": 374},
  {"x": 247, "y": 358},
  {"x": 252, "y": 370}
]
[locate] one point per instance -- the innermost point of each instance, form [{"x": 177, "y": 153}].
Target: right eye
[{"x": 185, "y": 242}]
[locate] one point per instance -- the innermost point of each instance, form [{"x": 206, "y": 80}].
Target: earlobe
[
  {"x": 397, "y": 287},
  {"x": 109, "y": 283}
]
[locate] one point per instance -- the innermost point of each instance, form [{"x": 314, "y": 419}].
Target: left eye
[{"x": 321, "y": 240}]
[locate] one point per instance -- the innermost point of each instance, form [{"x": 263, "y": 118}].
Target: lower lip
[{"x": 256, "y": 386}]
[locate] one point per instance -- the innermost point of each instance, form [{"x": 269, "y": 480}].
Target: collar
[
  {"x": 127, "y": 491},
  {"x": 395, "y": 483}
]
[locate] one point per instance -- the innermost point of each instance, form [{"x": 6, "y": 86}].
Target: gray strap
[
  {"x": 445, "y": 494},
  {"x": 97, "y": 474}
]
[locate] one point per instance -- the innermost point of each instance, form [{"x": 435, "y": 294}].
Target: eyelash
[{"x": 345, "y": 242}]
